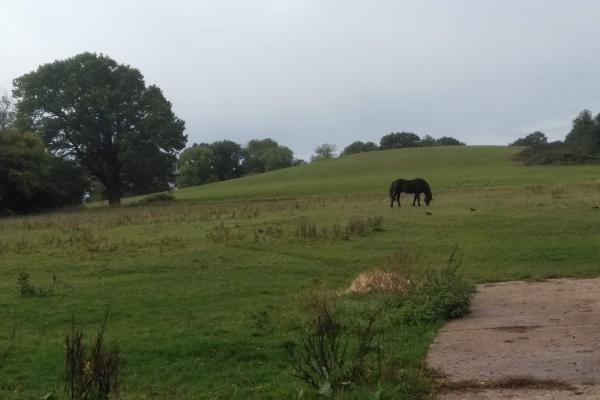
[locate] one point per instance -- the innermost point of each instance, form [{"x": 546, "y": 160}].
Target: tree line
[
  {"x": 87, "y": 125},
  {"x": 580, "y": 146}
]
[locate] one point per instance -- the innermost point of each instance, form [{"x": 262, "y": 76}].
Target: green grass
[{"x": 184, "y": 308}]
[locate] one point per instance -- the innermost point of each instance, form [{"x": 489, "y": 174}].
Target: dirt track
[{"x": 523, "y": 340}]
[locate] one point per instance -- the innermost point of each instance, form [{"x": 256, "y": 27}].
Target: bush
[
  {"x": 557, "y": 153},
  {"x": 442, "y": 294}
]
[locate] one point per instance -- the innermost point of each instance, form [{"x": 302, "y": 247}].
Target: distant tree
[
  {"x": 533, "y": 139},
  {"x": 399, "y": 140},
  {"x": 428, "y": 141},
  {"x": 195, "y": 165},
  {"x": 449, "y": 141},
  {"x": 298, "y": 161},
  {"x": 585, "y": 132},
  {"x": 227, "y": 162},
  {"x": 33, "y": 179},
  {"x": 323, "y": 152},
  {"x": 266, "y": 155},
  {"x": 103, "y": 115},
  {"x": 7, "y": 112},
  {"x": 359, "y": 147}
]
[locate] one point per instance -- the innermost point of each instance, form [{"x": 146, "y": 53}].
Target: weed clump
[
  {"x": 356, "y": 226},
  {"x": 332, "y": 355},
  {"x": 26, "y": 288},
  {"x": 92, "y": 373},
  {"x": 165, "y": 197}
]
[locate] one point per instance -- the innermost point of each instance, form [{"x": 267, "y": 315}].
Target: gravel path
[{"x": 523, "y": 340}]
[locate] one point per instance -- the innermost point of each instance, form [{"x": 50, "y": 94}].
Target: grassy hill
[
  {"x": 451, "y": 167},
  {"x": 203, "y": 293}
]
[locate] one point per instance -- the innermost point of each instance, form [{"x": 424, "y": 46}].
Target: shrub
[
  {"x": 94, "y": 372},
  {"x": 158, "y": 198},
  {"x": 442, "y": 294},
  {"x": 331, "y": 355},
  {"x": 557, "y": 153}
]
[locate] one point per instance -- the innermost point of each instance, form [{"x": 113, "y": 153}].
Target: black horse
[{"x": 416, "y": 186}]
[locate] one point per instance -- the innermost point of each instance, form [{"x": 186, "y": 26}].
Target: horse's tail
[{"x": 392, "y": 190}]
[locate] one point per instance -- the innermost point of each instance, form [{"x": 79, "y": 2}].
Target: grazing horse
[{"x": 416, "y": 186}]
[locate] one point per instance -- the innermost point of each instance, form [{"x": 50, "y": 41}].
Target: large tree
[
  {"x": 102, "y": 114},
  {"x": 266, "y": 155}
]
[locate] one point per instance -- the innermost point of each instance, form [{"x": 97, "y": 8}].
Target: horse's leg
[
  {"x": 415, "y": 199},
  {"x": 398, "y": 199},
  {"x": 419, "y": 199}
]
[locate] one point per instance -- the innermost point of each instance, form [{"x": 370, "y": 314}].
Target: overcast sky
[{"x": 305, "y": 72}]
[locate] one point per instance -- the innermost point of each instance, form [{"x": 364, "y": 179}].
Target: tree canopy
[
  {"x": 359, "y": 147},
  {"x": 533, "y": 139},
  {"x": 101, "y": 114},
  {"x": 7, "y": 112},
  {"x": 585, "y": 132},
  {"x": 399, "y": 140},
  {"x": 265, "y": 155},
  {"x": 33, "y": 179},
  {"x": 323, "y": 152}
]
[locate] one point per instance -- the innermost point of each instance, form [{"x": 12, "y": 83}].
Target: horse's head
[{"x": 428, "y": 199}]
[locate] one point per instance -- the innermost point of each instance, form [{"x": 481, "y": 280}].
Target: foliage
[
  {"x": 103, "y": 115},
  {"x": 449, "y": 141},
  {"x": 581, "y": 145},
  {"x": 557, "y": 153},
  {"x": 442, "y": 294},
  {"x": 331, "y": 354},
  {"x": 428, "y": 141},
  {"x": 585, "y": 133},
  {"x": 227, "y": 161},
  {"x": 91, "y": 373},
  {"x": 195, "y": 165},
  {"x": 32, "y": 179},
  {"x": 399, "y": 140},
  {"x": 7, "y": 112},
  {"x": 323, "y": 152},
  {"x": 359, "y": 147},
  {"x": 265, "y": 155},
  {"x": 533, "y": 139}
]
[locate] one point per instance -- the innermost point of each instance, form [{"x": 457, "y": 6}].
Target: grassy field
[{"x": 203, "y": 292}]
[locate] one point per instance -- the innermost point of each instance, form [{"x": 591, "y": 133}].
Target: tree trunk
[{"x": 113, "y": 192}]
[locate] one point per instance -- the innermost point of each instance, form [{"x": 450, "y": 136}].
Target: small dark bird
[
  {"x": 472, "y": 209},
  {"x": 427, "y": 212},
  {"x": 595, "y": 207}
]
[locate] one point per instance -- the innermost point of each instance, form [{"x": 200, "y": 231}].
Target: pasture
[{"x": 204, "y": 291}]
